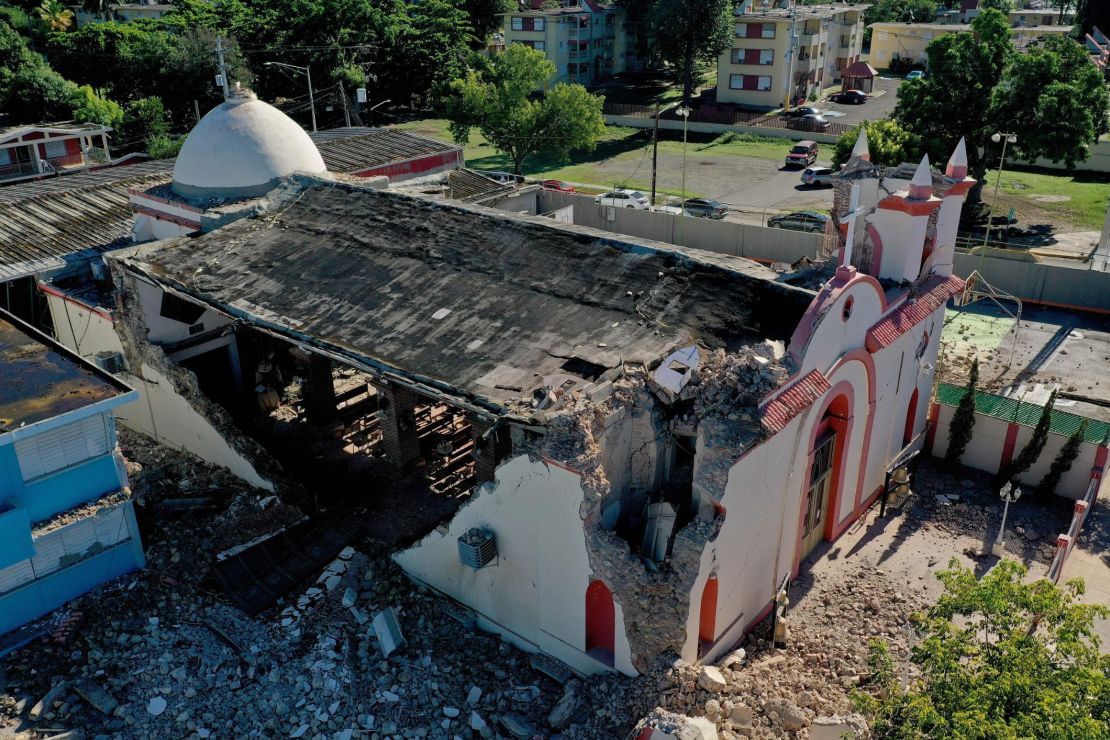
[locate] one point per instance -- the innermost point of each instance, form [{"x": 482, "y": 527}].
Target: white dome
[{"x": 241, "y": 148}]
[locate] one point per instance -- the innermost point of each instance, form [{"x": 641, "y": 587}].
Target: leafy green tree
[
  {"x": 14, "y": 54},
  {"x": 888, "y": 143},
  {"x": 143, "y": 120},
  {"x": 686, "y": 33},
  {"x": 963, "y": 420},
  {"x": 88, "y": 107},
  {"x": 1052, "y": 98},
  {"x": 1033, "y": 448},
  {"x": 1059, "y": 99},
  {"x": 38, "y": 93},
  {"x": 1002, "y": 6},
  {"x": 485, "y": 16},
  {"x": 1062, "y": 462},
  {"x": 1091, "y": 13},
  {"x": 428, "y": 48},
  {"x": 56, "y": 16},
  {"x": 163, "y": 146},
  {"x": 498, "y": 103},
  {"x": 900, "y": 11},
  {"x": 999, "y": 658},
  {"x": 954, "y": 100}
]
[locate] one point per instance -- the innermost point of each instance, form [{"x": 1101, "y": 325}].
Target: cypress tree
[
  {"x": 1062, "y": 464},
  {"x": 959, "y": 431}
]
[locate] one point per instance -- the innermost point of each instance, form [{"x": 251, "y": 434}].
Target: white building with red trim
[{"x": 33, "y": 151}]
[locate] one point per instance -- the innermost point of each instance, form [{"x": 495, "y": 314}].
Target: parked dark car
[
  {"x": 705, "y": 208},
  {"x": 803, "y": 110},
  {"x": 809, "y": 122},
  {"x": 799, "y": 221},
  {"x": 854, "y": 97}
]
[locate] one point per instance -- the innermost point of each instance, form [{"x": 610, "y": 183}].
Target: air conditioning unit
[
  {"x": 477, "y": 547},
  {"x": 109, "y": 362},
  {"x": 99, "y": 270}
]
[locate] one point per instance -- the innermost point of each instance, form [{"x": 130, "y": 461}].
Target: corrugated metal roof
[
  {"x": 40, "y": 232},
  {"x": 794, "y": 400},
  {"x": 936, "y": 292},
  {"x": 43, "y": 222},
  {"x": 1026, "y": 414}
]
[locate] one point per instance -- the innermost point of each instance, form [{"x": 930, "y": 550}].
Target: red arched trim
[
  {"x": 601, "y": 623},
  {"x": 876, "y": 252},
  {"x": 707, "y": 623},
  {"x": 868, "y": 361},
  {"x": 834, "y": 414},
  {"x": 911, "y": 420},
  {"x": 845, "y": 278}
]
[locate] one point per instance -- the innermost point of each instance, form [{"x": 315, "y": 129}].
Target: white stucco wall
[
  {"x": 163, "y": 330},
  {"x": 160, "y": 412},
  {"x": 535, "y": 593},
  {"x": 984, "y": 452}
]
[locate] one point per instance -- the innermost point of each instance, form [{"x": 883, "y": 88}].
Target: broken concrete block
[
  {"x": 711, "y": 679},
  {"x": 387, "y": 630},
  {"x": 664, "y": 725},
  {"x": 564, "y": 711},
  {"x": 98, "y": 698},
  {"x": 350, "y": 596},
  {"x": 850, "y": 726},
  {"x": 477, "y": 723},
  {"x": 734, "y": 658},
  {"x": 47, "y": 701},
  {"x": 474, "y": 696},
  {"x": 517, "y": 726},
  {"x": 156, "y": 706}
]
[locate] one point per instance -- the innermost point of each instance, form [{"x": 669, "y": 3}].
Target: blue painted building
[{"x": 66, "y": 522}]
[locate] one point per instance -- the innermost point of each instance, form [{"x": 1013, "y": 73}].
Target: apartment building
[
  {"x": 760, "y": 72},
  {"x": 584, "y": 39},
  {"x": 891, "y": 41}
]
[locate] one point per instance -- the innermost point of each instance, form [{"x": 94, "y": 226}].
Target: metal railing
[
  {"x": 727, "y": 118},
  {"x": 1066, "y": 543}
]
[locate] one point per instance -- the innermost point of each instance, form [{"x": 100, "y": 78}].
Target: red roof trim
[
  {"x": 794, "y": 400},
  {"x": 937, "y": 291}
]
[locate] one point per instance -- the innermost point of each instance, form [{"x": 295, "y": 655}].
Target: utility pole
[
  {"x": 311, "y": 100},
  {"x": 655, "y": 153},
  {"x": 791, "y": 53},
  {"x": 343, "y": 97},
  {"x": 223, "y": 67}
]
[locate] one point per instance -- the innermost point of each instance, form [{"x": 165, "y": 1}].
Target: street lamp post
[
  {"x": 1009, "y": 494},
  {"x": 683, "y": 111},
  {"x": 308, "y": 73},
  {"x": 1005, "y": 139}
]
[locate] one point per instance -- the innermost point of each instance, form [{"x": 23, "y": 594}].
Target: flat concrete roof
[
  {"x": 41, "y": 379},
  {"x": 1053, "y": 346}
]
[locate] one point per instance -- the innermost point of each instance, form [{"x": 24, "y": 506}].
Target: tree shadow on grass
[{"x": 544, "y": 162}]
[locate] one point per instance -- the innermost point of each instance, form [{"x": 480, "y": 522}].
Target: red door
[{"x": 601, "y": 623}]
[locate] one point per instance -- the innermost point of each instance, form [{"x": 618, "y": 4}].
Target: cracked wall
[{"x": 172, "y": 409}]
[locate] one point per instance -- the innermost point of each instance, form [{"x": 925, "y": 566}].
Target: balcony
[{"x": 50, "y": 166}]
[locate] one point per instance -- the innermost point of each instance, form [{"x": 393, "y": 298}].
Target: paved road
[{"x": 874, "y": 109}]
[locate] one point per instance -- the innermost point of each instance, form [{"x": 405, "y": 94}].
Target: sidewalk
[{"x": 1090, "y": 560}]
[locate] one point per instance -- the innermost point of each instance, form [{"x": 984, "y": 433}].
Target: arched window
[{"x": 601, "y": 623}]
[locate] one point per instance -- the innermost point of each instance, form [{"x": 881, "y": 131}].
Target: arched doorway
[
  {"x": 826, "y": 466},
  {"x": 707, "y": 623},
  {"x": 911, "y": 420},
  {"x": 601, "y": 623}
]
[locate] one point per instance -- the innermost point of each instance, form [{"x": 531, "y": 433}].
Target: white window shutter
[{"x": 60, "y": 448}]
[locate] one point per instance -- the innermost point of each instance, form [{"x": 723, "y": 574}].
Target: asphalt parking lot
[{"x": 877, "y": 107}]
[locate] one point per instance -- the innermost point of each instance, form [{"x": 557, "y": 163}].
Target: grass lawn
[
  {"x": 625, "y": 149},
  {"x": 658, "y": 90},
  {"x": 1078, "y": 198}
]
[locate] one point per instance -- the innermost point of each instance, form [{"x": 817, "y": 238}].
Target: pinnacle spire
[
  {"x": 957, "y": 163},
  {"x": 860, "y": 149}
]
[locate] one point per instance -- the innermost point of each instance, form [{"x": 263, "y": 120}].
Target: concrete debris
[
  {"x": 711, "y": 679},
  {"x": 46, "y": 703},
  {"x": 156, "y": 706},
  {"x": 846, "y": 727},
  {"x": 668, "y": 725}
]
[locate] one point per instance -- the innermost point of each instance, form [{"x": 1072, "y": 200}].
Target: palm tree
[{"x": 55, "y": 15}]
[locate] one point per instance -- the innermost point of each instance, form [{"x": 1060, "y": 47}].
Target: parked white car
[{"x": 624, "y": 199}]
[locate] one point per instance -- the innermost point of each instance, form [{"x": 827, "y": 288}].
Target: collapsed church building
[{"x": 607, "y": 449}]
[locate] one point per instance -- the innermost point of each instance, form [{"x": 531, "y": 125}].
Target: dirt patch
[{"x": 1045, "y": 198}]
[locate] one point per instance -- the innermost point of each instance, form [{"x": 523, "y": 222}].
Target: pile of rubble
[{"x": 733, "y": 383}]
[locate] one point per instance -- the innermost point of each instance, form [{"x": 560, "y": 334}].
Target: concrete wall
[
  {"x": 59, "y": 491},
  {"x": 533, "y": 508},
  {"x": 105, "y": 546},
  {"x": 986, "y": 448},
  {"x": 723, "y": 237},
  {"x": 1069, "y": 287},
  {"x": 721, "y": 128},
  {"x": 160, "y": 412}
]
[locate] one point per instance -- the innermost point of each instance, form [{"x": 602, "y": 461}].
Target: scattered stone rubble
[{"x": 158, "y": 654}]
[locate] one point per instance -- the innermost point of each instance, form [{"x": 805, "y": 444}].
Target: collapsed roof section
[{"x": 471, "y": 302}]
